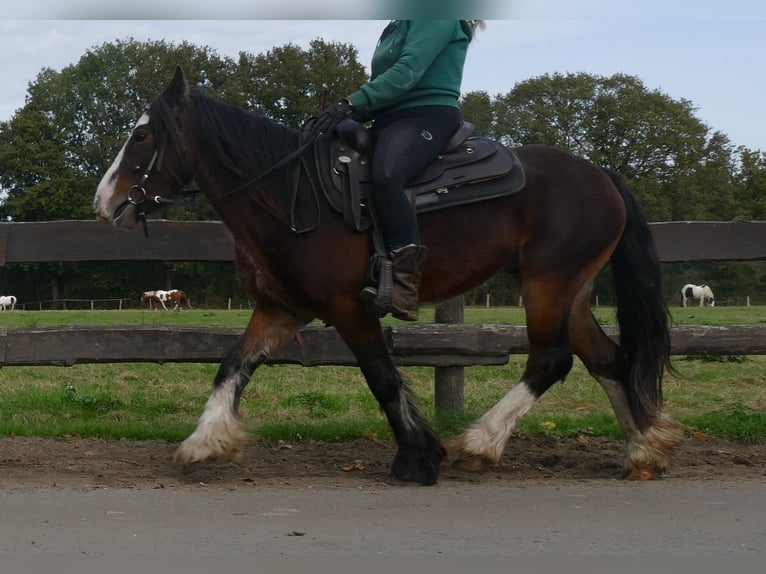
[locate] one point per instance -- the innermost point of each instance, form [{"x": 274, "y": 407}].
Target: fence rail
[
  {"x": 436, "y": 345},
  {"x": 70, "y": 303},
  {"x": 50, "y": 241}
]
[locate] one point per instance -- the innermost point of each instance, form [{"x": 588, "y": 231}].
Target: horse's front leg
[
  {"x": 420, "y": 451},
  {"x": 219, "y": 434}
]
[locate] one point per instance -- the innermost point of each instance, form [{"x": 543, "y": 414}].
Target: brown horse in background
[
  {"x": 571, "y": 218},
  {"x": 179, "y": 299}
]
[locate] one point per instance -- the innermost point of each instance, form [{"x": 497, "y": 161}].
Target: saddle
[{"x": 469, "y": 169}]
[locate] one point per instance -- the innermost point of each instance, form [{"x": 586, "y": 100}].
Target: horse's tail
[{"x": 642, "y": 313}]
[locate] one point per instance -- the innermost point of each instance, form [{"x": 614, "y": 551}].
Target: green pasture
[
  {"x": 718, "y": 395},
  {"x": 238, "y": 317}
]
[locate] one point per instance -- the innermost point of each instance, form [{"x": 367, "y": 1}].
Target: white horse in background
[
  {"x": 7, "y": 303},
  {"x": 701, "y": 292}
]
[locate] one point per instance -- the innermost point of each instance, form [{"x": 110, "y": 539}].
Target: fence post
[{"x": 449, "y": 381}]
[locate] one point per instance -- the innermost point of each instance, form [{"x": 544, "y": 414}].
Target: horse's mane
[{"x": 244, "y": 142}]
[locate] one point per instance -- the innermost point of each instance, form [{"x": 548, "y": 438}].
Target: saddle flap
[
  {"x": 504, "y": 175},
  {"x": 472, "y": 150}
]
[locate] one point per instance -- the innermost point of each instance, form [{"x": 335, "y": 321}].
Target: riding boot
[
  {"x": 399, "y": 281},
  {"x": 407, "y": 268}
]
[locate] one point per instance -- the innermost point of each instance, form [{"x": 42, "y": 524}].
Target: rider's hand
[{"x": 328, "y": 119}]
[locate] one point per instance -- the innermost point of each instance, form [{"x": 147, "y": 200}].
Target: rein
[
  {"x": 281, "y": 163},
  {"x": 289, "y": 158}
]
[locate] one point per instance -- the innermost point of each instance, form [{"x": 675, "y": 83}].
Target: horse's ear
[{"x": 178, "y": 87}]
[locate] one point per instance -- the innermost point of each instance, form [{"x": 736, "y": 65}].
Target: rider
[{"x": 412, "y": 100}]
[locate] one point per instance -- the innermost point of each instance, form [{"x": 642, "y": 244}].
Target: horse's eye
[{"x": 139, "y": 136}]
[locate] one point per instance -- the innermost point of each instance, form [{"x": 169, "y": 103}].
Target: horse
[
  {"x": 157, "y": 296},
  {"x": 178, "y": 298},
  {"x": 702, "y": 292},
  {"x": 299, "y": 261},
  {"x": 175, "y": 296},
  {"x": 7, "y": 303}
]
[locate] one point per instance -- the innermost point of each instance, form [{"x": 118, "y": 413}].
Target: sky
[{"x": 708, "y": 52}]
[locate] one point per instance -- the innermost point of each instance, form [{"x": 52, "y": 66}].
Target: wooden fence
[
  {"x": 448, "y": 345},
  {"x": 210, "y": 241}
]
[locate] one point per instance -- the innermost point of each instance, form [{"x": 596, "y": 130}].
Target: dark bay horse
[{"x": 299, "y": 261}]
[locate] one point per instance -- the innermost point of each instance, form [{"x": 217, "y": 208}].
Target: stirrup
[
  {"x": 378, "y": 300},
  {"x": 368, "y": 296}
]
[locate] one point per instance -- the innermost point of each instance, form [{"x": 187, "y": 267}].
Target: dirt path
[{"x": 35, "y": 463}]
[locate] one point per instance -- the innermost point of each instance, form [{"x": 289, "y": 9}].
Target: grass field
[
  {"x": 719, "y": 395},
  {"x": 238, "y": 318}
]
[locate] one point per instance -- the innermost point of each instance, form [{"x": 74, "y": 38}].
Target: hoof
[
  {"x": 641, "y": 474},
  {"x": 463, "y": 459},
  {"x": 417, "y": 465},
  {"x": 193, "y": 452},
  {"x": 186, "y": 468},
  {"x": 471, "y": 464},
  {"x": 648, "y": 455}
]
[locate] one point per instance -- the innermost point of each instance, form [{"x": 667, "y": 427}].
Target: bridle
[{"x": 137, "y": 193}]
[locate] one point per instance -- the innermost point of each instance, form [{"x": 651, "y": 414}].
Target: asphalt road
[{"x": 694, "y": 518}]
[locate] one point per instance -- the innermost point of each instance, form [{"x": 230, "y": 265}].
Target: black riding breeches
[{"x": 405, "y": 143}]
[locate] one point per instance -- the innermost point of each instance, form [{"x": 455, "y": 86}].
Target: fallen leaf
[{"x": 356, "y": 465}]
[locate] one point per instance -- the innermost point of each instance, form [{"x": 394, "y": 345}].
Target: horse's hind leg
[
  {"x": 420, "y": 451},
  {"x": 549, "y": 360},
  {"x": 219, "y": 434},
  {"x": 649, "y": 439}
]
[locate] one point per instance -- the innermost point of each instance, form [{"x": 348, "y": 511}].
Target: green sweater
[{"x": 416, "y": 63}]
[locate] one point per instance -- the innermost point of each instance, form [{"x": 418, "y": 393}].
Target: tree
[
  {"x": 55, "y": 149},
  {"x": 287, "y": 83},
  {"x": 476, "y": 107},
  {"x": 34, "y": 172},
  {"x": 675, "y": 164},
  {"x": 750, "y": 178}
]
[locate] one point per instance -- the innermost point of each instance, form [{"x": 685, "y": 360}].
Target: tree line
[{"x": 55, "y": 148}]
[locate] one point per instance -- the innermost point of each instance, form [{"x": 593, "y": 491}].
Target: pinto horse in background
[
  {"x": 7, "y": 303},
  {"x": 158, "y": 296},
  {"x": 702, "y": 292},
  {"x": 176, "y": 296},
  {"x": 299, "y": 261}
]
